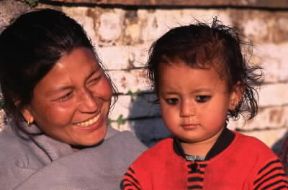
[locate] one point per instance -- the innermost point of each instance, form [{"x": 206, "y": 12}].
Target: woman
[{"x": 57, "y": 98}]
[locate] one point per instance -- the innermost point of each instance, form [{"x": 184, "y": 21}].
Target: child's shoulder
[
  {"x": 165, "y": 145},
  {"x": 243, "y": 138},
  {"x": 251, "y": 144}
]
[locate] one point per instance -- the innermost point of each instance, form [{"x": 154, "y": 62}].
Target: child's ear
[
  {"x": 236, "y": 95},
  {"x": 27, "y": 114}
]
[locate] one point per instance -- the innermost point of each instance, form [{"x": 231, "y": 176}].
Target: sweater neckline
[{"x": 224, "y": 140}]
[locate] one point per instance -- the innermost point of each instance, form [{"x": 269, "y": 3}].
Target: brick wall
[{"x": 123, "y": 33}]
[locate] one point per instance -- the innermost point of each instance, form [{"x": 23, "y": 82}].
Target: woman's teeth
[{"x": 89, "y": 122}]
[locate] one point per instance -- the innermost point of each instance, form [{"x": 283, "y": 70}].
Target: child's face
[{"x": 194, "y": 102}]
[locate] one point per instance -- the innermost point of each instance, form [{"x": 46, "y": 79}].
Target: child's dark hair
[{"x": 202, "y": 46}]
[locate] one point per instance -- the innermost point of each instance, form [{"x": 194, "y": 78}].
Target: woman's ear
[
  {"x": 27, "y": 114},
  {"x": 236, "y": 95}
]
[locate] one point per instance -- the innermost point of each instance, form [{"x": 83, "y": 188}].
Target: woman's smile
[{"x": 88, "y": 122}]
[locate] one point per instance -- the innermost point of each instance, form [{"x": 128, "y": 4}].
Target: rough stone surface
[{"x": 9, "y": 9}]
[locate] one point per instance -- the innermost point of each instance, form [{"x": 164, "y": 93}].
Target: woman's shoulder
[
  {"x": 16, "y": 149},
  {"x": 101, "y": 166},
  {"x": 16, "y": 160},
  {"x": 10, "y": 144},
  {"x": 124, "y": 142}
]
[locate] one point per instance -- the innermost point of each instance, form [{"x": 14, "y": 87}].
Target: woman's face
[{"x": 71, "y": 103}]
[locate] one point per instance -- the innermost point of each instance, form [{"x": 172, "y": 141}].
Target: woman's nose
[{"x": 88, "y": 102}]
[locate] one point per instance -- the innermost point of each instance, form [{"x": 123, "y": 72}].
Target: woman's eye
[
  {"x": 94, "y": 80},
  {"x": 202, "y": 98},
  {"x": 65, "y": 97},
  {"x": 171, "y": 101}
]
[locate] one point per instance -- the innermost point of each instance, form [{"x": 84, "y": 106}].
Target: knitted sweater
[
  {"x": 246, "y": 164},
  {"x": 44, "y": 163}
]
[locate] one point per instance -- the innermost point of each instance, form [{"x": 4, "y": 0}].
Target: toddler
[{"x": 202, "y": 79}]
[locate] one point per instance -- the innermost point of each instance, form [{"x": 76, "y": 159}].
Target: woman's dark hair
[
  {"x": 29, "y": 47},
  {"x": 203, "y": 46}
]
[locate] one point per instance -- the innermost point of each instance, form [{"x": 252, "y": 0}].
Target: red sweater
[{"x": 245, "y": 164}]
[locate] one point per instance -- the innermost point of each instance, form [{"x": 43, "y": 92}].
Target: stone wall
[{"x": 122, "y": 36}]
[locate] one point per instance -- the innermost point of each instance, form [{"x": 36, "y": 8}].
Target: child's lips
[{"x": 190, "y": 126}]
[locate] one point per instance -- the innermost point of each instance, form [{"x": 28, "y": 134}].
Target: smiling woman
[
  {"x": 57, "y": 99},
  {"x": 69, "y": 106}
]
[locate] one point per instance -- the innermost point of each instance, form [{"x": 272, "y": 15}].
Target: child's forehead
[
  {"x": 216, "y": 64},
  {"x": 181, "y": 76}
]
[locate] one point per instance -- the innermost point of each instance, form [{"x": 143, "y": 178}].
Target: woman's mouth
[{"x": 88, "y": 122}]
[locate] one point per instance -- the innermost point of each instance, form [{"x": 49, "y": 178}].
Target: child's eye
[
  {"x": 171, "y": 101},
  {"x": 202, "y": 98}
]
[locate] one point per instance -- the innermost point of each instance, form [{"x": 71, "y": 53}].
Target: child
[{"x": 201, "y": 79}]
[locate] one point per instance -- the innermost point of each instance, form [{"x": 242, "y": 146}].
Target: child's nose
[{"x": 187, "y": 109}]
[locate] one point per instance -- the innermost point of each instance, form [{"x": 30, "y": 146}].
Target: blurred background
[{"x": 123, "y": 30}]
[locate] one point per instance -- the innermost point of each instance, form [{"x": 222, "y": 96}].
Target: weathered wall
[
  {"x": 10, "y": 9},
  {"x": 123, "y": 34}
]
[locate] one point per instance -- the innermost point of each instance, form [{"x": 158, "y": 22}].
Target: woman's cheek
[
  {"x": 106, "y": 86},
  {"x": 61, "y": 114}
]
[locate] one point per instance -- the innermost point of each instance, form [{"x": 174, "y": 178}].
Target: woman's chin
[{"x": 94, "y": 138}]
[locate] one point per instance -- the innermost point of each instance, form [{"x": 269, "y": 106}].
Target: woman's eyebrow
[{"x": 59, "y": 89}]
